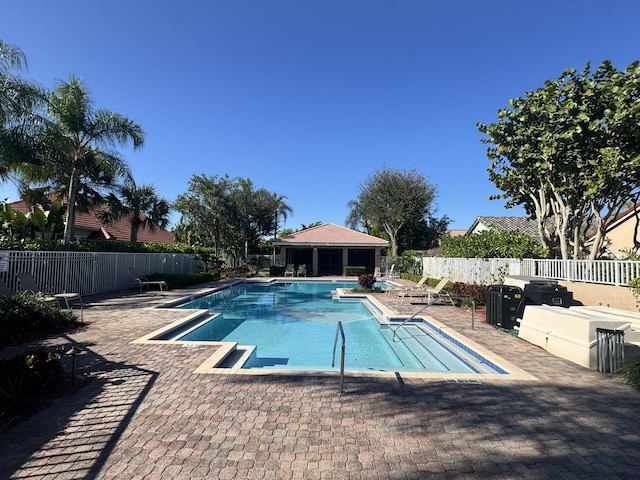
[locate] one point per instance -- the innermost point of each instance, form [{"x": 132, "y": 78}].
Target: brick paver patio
[{"x": 147, "y": 415}]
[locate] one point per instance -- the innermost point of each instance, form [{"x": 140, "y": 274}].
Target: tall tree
[
  {"x": 569, "y": 153},
  {"x": 281, "y": 210},
  {"x": 81, "y": 141},
  {"x": 390, "y": 199},
  {"x": 140, "y": 205},
  {"x": 20, "y": 107},
  {"x": 205, "y": 207}
]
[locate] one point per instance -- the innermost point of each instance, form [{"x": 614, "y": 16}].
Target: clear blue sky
[{"x": 308, "y": 98}]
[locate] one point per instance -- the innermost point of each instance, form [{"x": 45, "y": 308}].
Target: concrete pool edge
[{"x": 224, "y": 349}]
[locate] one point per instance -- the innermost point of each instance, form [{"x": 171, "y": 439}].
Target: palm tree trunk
[{"x": 71, "y": 207}]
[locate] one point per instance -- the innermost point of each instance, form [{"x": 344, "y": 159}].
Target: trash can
[
  {"x": 503, "y": 305},
  {"x": 547, "y": 294},
  {"x": 610, "y": 344}
]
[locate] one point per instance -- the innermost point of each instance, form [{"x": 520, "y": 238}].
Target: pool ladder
[{"x": 339, "y": 330}]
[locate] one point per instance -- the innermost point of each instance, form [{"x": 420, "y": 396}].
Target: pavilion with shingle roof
[{"x": 327, "y": 249}]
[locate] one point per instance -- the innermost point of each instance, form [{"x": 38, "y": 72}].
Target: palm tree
[
  {"x": 140, "y": 205},
  {"x": 80, "y": 142},
  {"x": 281, "y": 210},
  {"x": 20, "y": 101}
]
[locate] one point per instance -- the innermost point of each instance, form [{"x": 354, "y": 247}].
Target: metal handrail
[
  {"x": 451, "y": 297},
  {"x": 333, "y": 361}
]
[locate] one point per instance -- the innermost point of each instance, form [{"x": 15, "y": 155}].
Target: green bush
[
  {"x": 276, "y": 271},
  {"x": 476, "y": 292},
  {"x": 492, "y": 244},
  {"x": 184, "y": 280},
  {"x": 352, "y": 271},
  {"x": 630, "y": 373},
  {"x": 26, "y": 380},
  {"x": 25, "y": 316}
]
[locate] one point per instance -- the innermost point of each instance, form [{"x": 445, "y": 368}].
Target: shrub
[
  {"x": 26, "y": 316},
  {"x": 26, "y": 380},
  {"x": 276, "y": 271},
  {"x": 183, "y": 280},
  {"x": 353, "y": 271},
  {"x": 366, "y": 281},
  {"x": 630, "y": 373},
  {"x": 477, "y": 292}
]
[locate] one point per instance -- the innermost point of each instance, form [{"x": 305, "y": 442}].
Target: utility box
[
  {"x": 547, "y": 294},
  {"x": 503, "y": 305}
]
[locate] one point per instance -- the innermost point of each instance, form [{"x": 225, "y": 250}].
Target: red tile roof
[
  {"x": 120, "y": 230},
  {"x": 331, "y": 234}
]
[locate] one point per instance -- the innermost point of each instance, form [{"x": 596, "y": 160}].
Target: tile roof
[
  {"x": 119, "y": 230},
  {"x": 507, "y": 224},
  {"x": 331, "y": 234}
]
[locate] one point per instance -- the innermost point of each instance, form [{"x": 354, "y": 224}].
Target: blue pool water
[{"x": 293, "y": 324}]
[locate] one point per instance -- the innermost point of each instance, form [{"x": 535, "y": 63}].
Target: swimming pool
[{"x": 293, "y": 326}]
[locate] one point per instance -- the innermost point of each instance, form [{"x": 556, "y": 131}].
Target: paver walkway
[{"x": 148, "y": 416}]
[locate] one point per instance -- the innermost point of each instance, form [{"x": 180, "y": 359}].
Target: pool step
[
  {"x": 442, "y": 350},
  {"x": 403, "y": 349}
]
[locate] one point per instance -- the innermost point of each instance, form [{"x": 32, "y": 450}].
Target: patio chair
[
  {"x": 290, "y": 270},
  {"x": 145, "y": 282},
  {"x": 417, "y": 287},
  {"x": 430, "y": 292},
  {"x": 5, "y": 292},
  {"x": 392, "y": 272},
  {"x": 302, "y": 270},
  {"x": 28, "y": 284}
]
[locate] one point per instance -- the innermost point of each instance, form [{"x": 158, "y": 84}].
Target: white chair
[
  {"x": 290, "y": 271},
  {"x": 145, "y": 282},
  {"x": 28, "y": 284}
]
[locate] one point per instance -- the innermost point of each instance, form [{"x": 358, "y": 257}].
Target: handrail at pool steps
[
  {"x": 453, "y": 297},
  {"x": 339, "y": 330}
]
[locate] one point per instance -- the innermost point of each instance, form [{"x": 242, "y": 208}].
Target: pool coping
[{"x": 209, "y": 366}]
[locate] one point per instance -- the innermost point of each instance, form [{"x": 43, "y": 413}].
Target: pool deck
[{"x": 147, "y": 415}]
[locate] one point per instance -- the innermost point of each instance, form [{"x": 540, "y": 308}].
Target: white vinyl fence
[
  {"x": 606, "y": 272},
  {"x": 479, "y": 271},
  {"x": 492, "y": 271},
  {"x": 89, "y": 273}
]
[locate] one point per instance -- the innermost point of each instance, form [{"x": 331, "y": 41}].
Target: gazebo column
[
  {"x": 314, "y": 262},
  {"x": 345, "y": 259}
]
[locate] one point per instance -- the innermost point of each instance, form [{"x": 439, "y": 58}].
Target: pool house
[{"x": 327, "y": 249}]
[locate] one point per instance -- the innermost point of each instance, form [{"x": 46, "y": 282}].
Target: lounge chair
[
  {"x": 430, "y": 292},
  {"x": 5, "y": 292},
  {"x": 145, "y": 282},
  {"x": 417, "y": 287},
  {"x": 392, "y": 273},
  {"x": 290, "y": 270},
  {"x": 28, "y": 284}
]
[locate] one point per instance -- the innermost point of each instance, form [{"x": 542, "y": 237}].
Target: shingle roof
[
  {"x": 507, "y": 224},
  {"x": 119, "y": 230},
  {"x": 331, "y": 234}
]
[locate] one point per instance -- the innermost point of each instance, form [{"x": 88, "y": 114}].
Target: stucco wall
[{"x": 605, "y": 295}]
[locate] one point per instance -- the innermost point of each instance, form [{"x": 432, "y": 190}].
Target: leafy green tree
[
  {"x": 391, "y": 199},
  {"x": 140, "y": 205},
  {"x": 569, "y": 153},
  {"x": 80, "y": 142},
  {"x": 229, "y": 214},
  {"x": 205, "y": 208}
]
